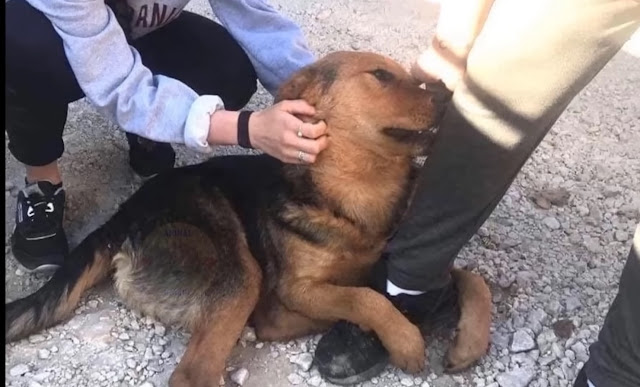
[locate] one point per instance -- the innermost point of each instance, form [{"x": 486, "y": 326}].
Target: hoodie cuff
[{"x": 198, "y": 122}]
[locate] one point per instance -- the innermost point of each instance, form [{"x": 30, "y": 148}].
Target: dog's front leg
[{"x": 362, "y": 306}]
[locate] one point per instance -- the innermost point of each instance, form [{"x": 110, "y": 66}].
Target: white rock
[
  {"x": 581, "y": 351},
  {"x": 553, "y": 307},
  {"x": 621, "y": 235},
  {"x": 147, "y": 384},
  {"x": 551, "y": 222},
  {"x": 42, "y": 376},
  {"x": 44, "y": 353},
  {"x": 315, "y": 381},
  {"x": 33, "y": 383},
  {"x": 522, "y": 341},
  {"x": 240, "y": 376},
  {"x": 406, "y": 382},
  {"x": 303, "y": 361},
  {"x": 572, "y": 303},
  {"x": 124, "y": 336},
  {"x": 159, "y": 329},
  {"x": 131, "y": 363},
  {"x": 324, "y": 14},
  {"x": 518, "y": 377},
  {"x": 93, "y": 303},
  {"x": 248, "y": 335},
  {"x": 33, "y": 339},
  {"x": 295, "y": 379},
  {"x": 593, "y": 245},
  {"x": 19, "y": 370}
]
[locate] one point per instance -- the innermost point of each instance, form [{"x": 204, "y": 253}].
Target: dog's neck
[{"x": 369, "y": 189}]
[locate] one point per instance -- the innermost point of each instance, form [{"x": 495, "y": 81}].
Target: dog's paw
[
  {"x": 407, "y": 350},
  {"x": 464, "y": 353},
  {"x": 473, "y": 331}
]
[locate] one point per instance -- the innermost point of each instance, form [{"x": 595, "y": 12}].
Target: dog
[{"x": 287, "y": 248}]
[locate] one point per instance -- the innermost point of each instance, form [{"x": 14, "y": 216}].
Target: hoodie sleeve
[
  {"x": 115, "y": 81},
  {"x": 273, "y": 42}
]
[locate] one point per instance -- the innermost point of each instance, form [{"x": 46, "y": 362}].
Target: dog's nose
[
  {"x": 440, "y": 96},
  {"x": 439, "y": 92}
]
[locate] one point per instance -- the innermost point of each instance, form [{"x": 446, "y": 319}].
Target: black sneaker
[
  {"x": 346, "y": 355},
  {"x": 38, "y": 241},
  {"x": 148, "y": 157}
]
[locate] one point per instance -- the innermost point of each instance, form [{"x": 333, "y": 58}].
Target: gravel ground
[{"x": 552, "y": 251}]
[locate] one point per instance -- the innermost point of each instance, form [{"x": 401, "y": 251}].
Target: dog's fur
[{"x": 286, "y": 248}]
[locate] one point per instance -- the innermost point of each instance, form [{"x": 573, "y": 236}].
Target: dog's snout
[
  {"x": 439, "y": 92},
  {"x": 440, "y": 97}
]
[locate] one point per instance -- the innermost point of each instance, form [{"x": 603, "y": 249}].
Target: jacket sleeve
[
  {"x": 274, "y": 43},
  {"x": 114, "y": 80}
]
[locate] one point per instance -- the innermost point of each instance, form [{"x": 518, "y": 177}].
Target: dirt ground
[{"x": 544, "y": 265}]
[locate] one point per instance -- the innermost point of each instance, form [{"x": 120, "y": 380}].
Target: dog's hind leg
[
  {"x": 217, "y": 332},
  {"x": 472, "y": 337}
]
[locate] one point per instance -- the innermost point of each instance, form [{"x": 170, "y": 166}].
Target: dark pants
[
  {"x": 615, "y": 357},
  {"x": 40, "y": 83},
  {"x": 530, "y": 61}
]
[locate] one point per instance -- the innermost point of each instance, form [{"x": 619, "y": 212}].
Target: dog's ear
[{"x": 310, "y": 83}]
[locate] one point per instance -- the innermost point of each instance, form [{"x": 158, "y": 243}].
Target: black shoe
[
  {"x": 147, "y": 157},
  {"x": 38, "y": 241},
  {"x": 346, "y": 355}
]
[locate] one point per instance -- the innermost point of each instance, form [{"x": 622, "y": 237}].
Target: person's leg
[
  {"x": 526, "y": 66},
  {"x": 615, "y": 356},
  {"x": 37, "y": 93},
  {"x": 192, "y": 48},
  {"x": 203, "y": 55}
]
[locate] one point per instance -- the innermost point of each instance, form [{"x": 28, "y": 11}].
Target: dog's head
[{"x": 371, "y": 100}]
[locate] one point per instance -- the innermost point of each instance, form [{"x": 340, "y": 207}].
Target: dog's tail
[{"x": 87, "y": 265}]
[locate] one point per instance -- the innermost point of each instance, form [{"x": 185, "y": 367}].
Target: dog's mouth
[{"x": 412, "y": 136}]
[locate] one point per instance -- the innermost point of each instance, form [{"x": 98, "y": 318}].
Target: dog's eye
[{"x": 382, "y": 75}]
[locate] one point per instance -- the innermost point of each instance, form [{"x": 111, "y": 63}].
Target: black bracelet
[{"x": 243, "y": 129}]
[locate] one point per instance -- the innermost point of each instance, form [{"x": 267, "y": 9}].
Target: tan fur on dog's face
[{"x": 371, "y": 100}]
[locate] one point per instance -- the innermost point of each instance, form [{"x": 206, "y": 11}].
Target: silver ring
[
  {"x": 300, "y": 131},
  {"x": 301, "y": 155}
]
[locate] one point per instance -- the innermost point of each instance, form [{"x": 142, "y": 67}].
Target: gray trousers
[{"x": 531, "y": 59}]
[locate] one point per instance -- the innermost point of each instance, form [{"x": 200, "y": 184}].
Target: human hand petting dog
[
  {"x": 459, "y": 24},
  {"x": 283, "y": 131},
  {"x": 278, "y": 132},
  {"x": 440, "y": 63}
]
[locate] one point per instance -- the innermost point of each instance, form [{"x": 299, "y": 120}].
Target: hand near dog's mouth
[{"x": 298, "y": 141}]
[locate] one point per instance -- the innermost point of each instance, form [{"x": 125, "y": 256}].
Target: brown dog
[{"x": 208, "y": 246}]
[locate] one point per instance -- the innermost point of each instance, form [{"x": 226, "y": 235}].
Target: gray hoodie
[{"x": 117, "y": 83}]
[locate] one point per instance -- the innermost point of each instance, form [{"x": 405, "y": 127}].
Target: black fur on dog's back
[{"x": 241, "y": 195}]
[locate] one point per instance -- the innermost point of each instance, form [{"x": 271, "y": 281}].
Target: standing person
[
  {"x": 514, "y": 66},
  {"x": 162, "y": 74}
]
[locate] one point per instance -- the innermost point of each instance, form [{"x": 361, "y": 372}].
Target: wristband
[{"x": 243, "y": 129}]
